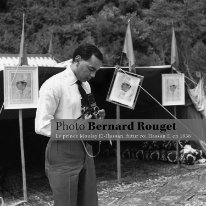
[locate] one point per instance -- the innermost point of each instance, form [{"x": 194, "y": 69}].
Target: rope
[
  {"x": 119, "y": 68},
  {"x": 158, "y": 102},
  {"x": 19, "y": 203},
  {"x": 2, "y": 106},
  {"x": 90, "y": 155},
  {"x": 185, "y": 77}
]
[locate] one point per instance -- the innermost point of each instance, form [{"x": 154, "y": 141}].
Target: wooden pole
[
  {"x": 22, "y": 155},
  {"x": 177, "y": 142},
  {"x": 118, "y": 149}
]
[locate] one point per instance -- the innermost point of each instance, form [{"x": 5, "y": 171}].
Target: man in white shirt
[{"x": 70, "y": 170}]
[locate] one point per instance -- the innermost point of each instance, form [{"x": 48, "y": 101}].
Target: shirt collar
[{"x": 70, "y": 74}]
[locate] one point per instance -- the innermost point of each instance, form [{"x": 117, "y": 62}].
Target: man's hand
[
  {"x": 87, "y": 116},
  {"x": 101, "y": 113}
]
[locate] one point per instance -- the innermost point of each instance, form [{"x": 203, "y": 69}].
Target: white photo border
[
  {"x": 173, "y": 89},
  {"x": 127, "y": 96},
  {"x": 21, "y": 86}
]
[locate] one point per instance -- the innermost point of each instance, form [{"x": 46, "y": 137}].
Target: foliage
[
  {"x": 198, "y": 56},
  {"x": 104, "y": 24}
]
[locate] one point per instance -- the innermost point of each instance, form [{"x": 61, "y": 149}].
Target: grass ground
[{"x": 143, "y": 183}]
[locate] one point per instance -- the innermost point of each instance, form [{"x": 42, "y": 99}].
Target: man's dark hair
[{"x": 86, "y": 51}]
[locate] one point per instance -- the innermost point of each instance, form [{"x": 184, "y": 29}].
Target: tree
[{"x": 104, "y": 23}]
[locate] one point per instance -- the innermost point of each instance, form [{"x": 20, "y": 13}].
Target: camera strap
[{"x": 85, "y": 103}]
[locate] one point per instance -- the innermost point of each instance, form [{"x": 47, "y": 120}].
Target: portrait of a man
[
  {"x": 21, "y": 87},
  {"x": 125, "y": 89},
  {"x": 173, "y": 89}
]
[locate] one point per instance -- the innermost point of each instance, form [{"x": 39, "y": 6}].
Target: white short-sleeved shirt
[{"x": 59, "y": 98}]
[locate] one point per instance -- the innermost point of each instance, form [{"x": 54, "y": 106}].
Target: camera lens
[{"x": 96, "y": 109}]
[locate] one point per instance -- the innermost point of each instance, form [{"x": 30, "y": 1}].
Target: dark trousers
[{"x": 71, "y": 173}]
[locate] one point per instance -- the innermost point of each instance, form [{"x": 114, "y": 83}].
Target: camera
[{"x": 92, "y": 108}]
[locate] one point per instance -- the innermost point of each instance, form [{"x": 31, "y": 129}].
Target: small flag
[
  {"x": 128, "y": 48},
  {"x": 22, "y": 53},
  {"x": 51, "y": 46},
  {"x": 174, "y": 51}
]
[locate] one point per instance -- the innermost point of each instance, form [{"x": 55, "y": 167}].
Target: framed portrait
[
  {"x": 173, "y": 89},
  {"x": 20, "y": 87},
  {"x": 124, "y": 88}
]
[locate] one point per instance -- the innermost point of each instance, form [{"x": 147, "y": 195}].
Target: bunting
[
  {"x": 174, "y": 51},
  {"x": 128, "y": 48}
]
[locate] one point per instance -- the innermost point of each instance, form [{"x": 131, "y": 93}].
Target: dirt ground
[{"x": 143, "y": 183}]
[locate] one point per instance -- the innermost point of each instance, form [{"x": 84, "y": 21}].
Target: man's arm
[{"x": 47, "y": 105}]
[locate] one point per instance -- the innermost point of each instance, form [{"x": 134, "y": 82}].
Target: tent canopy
[{"x": 42, "y": 60}]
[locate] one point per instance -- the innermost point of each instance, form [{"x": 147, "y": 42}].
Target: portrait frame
[
  {"x": 21, "y": 86},
  {"x": 173, "y": 89},
  {"x": 124, "y": 88}
]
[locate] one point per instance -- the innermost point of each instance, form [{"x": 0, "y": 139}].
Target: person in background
[{"x": 68, "y": 166}]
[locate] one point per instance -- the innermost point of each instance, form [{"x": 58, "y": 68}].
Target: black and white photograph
[
  {"x": 173, "y": 89},
  {"x": 92, "y": 94},
  {"x": 125, "y": 88},
  {"x": 21, "y": 87}
]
